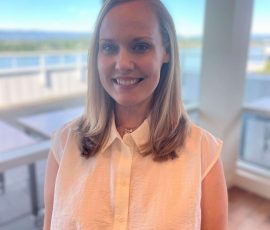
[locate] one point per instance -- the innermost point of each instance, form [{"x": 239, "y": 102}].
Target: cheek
[
  {"x": 104, "y": 63},
  {"x": 153, "y": 64},
  {"x": 154, "y": 71},
  {"x": 102, "y": 72},
  {"x": 100, "y": 65}
]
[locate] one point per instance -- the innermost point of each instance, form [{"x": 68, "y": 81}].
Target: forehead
[{"x": 131, "y": 18}]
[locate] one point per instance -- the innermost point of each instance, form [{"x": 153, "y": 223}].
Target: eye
[
  {"x": 141, "y": 47},
  {"x": 108, "y": 48}
]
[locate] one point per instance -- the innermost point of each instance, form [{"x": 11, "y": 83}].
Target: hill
[{"x": 35, "y": 35}]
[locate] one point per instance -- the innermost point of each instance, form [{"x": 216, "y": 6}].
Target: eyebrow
[
  {"x": 136, "y": 39},
  {"x": 106, "y": 39},
  {"x": 142, "y": 38}
]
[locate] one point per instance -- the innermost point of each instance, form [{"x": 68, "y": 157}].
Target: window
[
  {"x": 43, "y": 49},
  {"x": 188, "y": 18},
  {"x": 43, "y": 55},
  {"x": 255, "y": 147}
]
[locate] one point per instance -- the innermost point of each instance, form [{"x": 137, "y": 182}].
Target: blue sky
[
  {"x": 80, "y": 15},
  {"x": 261, "y": 17},
  {"x": 65, "y": 15}
]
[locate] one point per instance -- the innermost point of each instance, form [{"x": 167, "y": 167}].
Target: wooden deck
[{"x": 248, "y": 211}]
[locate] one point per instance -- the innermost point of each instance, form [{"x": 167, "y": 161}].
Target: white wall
[{"x": 224, "y": 60}]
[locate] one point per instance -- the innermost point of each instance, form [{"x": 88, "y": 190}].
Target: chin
[
  {"x": 126, "y": 103},
  {"x": 132, "y": 102}
]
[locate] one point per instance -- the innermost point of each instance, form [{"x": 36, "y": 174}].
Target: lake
[
  {"x": 190, "y": 59},
  {"x": 35, "y": 60}
]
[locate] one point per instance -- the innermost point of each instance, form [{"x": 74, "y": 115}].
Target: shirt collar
[
  {"x": 140, "y": 136},
  {"x": 113, "y": 135}
]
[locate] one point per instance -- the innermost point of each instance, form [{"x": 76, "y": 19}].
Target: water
[
  {"x": 256, "y": 86},
  {"x": 10, "y": 62},
  {"x": 257, "y": 54},
  {"x": 190, "y": 59}
]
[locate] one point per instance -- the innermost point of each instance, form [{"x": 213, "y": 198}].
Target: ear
[{"x": 166, "y": 57}]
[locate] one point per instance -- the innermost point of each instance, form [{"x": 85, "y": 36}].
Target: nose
[{"x": 124, "y": 61}]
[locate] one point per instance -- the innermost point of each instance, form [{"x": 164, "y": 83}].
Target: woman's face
[{"x": 130, "y": 54}]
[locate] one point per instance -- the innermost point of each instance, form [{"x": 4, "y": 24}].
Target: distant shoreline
[{"x": 34, "y": 40}]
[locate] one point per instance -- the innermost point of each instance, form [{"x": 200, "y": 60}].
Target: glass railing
[{"x": 255, "y": 139}]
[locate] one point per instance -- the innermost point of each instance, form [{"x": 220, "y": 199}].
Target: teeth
[{"x": 127, "y": 81}]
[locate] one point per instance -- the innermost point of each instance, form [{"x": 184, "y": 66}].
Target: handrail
[
  {"x": 5, "y": 72},
  {"x": 260, "y": 107},
  {"x": 24, "y": 155}
]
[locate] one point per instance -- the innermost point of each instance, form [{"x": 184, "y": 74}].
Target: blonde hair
[{"x": 169, "y": 123}]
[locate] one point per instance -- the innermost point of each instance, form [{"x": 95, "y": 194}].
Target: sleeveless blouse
[{"x": 119, "y": 189}]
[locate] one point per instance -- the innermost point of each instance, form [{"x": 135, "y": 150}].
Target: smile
[{"x": 127, "y": 82}]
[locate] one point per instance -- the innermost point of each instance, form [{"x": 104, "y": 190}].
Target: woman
[{"x": 134, "y": 160}]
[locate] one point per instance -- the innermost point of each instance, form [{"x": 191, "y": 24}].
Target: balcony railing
[
  {"x": 255, "y": 141},
  {"x": 35, "y": 77}
]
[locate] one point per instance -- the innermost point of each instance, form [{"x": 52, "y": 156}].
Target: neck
[{"x": 130, "y": 117}]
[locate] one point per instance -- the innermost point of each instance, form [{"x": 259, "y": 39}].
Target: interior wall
[{"x": 225, "y": 50}]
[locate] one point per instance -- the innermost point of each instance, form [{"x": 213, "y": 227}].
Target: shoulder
[
  {"x": 202, "y": 136},
  {"x": 64, "y": 131},
  {"x": 206, "y": 145},
  {"x": 61, "y": 137}
]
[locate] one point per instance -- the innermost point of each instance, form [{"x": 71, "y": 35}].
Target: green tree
[{"x": 266, "y": 68}]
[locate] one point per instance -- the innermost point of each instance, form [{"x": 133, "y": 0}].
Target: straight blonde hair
[{"x": 169, "y": 123}]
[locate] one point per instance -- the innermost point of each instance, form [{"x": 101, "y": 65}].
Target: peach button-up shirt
[{"x": 119, "y": 189}]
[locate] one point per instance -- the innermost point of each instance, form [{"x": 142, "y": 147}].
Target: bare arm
[
  {"x": 214, "y": 200},
  {"x": 51, "y": 171}
]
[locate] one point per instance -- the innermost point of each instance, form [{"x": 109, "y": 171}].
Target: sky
[
  {"x": 261, "y": 17},
  {"x": 80, "y": 15}
]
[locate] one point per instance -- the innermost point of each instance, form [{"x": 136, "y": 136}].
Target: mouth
[{"x": 127, "y": 81}]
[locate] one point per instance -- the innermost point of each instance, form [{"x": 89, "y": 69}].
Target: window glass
[
  {"x": 43, "y": 56},
  {"x": 41, "y": 40},
  {"x": 188, "y": 17},
  {"x": 255, "y": 145},
  {"x": 258, "y": 65}
]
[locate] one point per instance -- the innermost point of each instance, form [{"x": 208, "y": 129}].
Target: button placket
[{"x": 123, "y": 185}]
